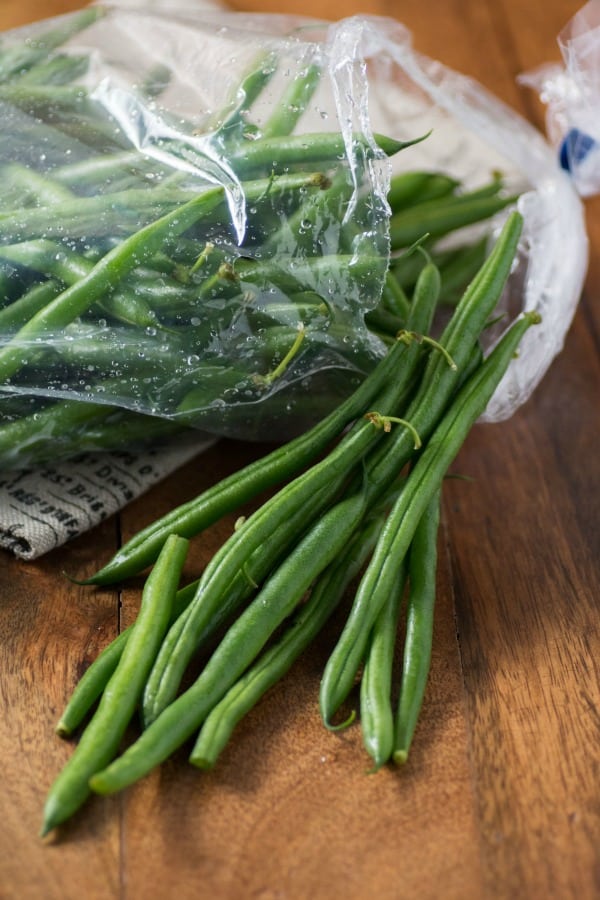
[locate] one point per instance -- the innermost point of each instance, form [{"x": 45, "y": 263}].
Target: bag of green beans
[{"x": 214, "y": 220}]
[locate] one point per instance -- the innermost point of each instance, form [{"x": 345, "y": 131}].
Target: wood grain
[{"x": 501, "y": 797}]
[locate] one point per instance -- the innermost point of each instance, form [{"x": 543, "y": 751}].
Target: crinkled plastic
[
  {"x": 572, "y": 95},
  {"x": 246, "y": 315}
]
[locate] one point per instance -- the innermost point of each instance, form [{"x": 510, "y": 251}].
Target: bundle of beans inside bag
[{"x": 274, "y": 229}]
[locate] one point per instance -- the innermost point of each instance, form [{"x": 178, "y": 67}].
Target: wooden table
[{"x": 501, "y": 797}]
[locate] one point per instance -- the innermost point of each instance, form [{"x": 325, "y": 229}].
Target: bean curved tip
[
  {"x": 342, "y": 725},
  {"x": 78, "y": 581}
]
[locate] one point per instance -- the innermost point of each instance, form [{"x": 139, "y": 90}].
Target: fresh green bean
[
  {"x": 21, "y": 310},
  {"x": 277, "y": 154},
  {"x": 460, "y": 340},
  {"x": 95, "y": 678},
  {"x": 92, "y": 171},
  {"x": 437, "y": 218},
  {"x": 101, "y": 738},
  {"x": 394, "y": 298},
  {"x": 246, "y": 94},
  {"x": 86, "y": 217},
  {"x": 25, "y": 54},
  {"x": 416, "y": 659},
  {"x": 41, "y": 189},
  {"x": 421, "y": 485},
  {"x": 322, "y": 482},
  {"x": 20, "y": 438},
  {"x": 376, "y": 715},
  {"x": 292, "y": 103},
  {"x": 409, "y": 188},
  {"x": 56, "y": 70}
]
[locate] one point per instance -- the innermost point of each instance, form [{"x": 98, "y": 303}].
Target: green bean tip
[
  {"x": 62, "y": 730},
  {"x": 342, "y": 725},
  {"x": 400, "y": 757}
]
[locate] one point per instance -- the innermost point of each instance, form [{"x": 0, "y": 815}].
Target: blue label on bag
[{"x": 576, "y": 145}]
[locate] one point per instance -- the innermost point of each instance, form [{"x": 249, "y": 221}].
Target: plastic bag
[
  {"x": 572, "y": 95},
  {"x": 247, "y": 318}
]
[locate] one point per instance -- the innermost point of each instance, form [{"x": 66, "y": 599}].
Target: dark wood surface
[{"x": 501, "y": 797}]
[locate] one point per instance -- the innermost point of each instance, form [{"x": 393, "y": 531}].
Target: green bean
[
  {"x": 120, "y": 213},
  {"x": 86, "y": 217},
  {"x": 95, "y": 170},
  {"x": 276, "y": 154},
  {"x": 24, "y": 55},
  {"x": 40, "y": 188},
  {"x": 20, "y": 438},
  {"x": 416, "y": 658},
  {"x": 376, "y": 716},
  {"x": 409, "y": 188},
  {"x": 303, "y": 228},
  {"x": 95, "y": 678},
  {"x": 325, "y": 595},
  {"x": 21, "y": 310},
  {"x": 421, "y": 485},
  {"x": 291, "y": 275},
  {"x": 292, "y": 104},
  {"x": 437, "y": 218},
  {"x": 393, "y": 297},
  {"x": 100, "y": 740},
  {"x": 460, "y": 339},
  {"x": 67, "y": 109},
  {"x": 246, "y": 94},
  {"x": 70, "y": 427},
  {"x": 56, "y": 70},
  {"x": 240, "y": 646},
  {"x": 383, "y": 323}
]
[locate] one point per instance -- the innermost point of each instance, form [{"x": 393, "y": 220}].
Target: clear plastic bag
[{"x": 246, "y": 315}]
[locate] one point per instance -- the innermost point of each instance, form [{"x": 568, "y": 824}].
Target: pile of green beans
[
  {"x": 352, "y": 527},
  {"x": 213, "y": 280}
]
